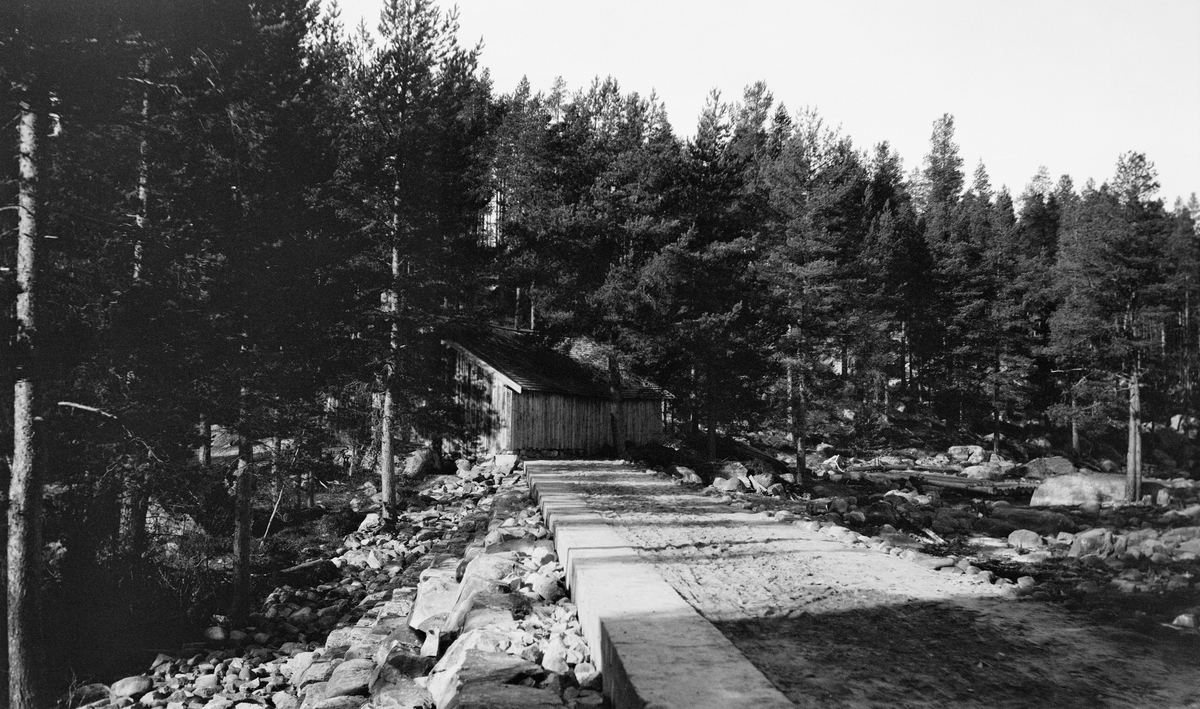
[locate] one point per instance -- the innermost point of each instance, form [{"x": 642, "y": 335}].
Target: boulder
[
  {"x": 554, "y": 657},
  {"x": 458, "y": 670},
  {"x": 491, "y": 566},
  {"x": 506, "y": 462},
  {"x": 985, "y": 471},
  {"x": 420, "y": 462},
  {"x": 351, "y": 678},
  {"x": 687, "y": 475},
  {"x": 206, "y": 685},
  {"x": 587, "y": 675},
  {"x": 404, "y": 694},
  {"x": 1093, "y": 542},
  {"x": 727, "y": 484},
  {"x": 399, "y": 664},
  {"x": 993, "y": 527},
  {"x": 482, "y": 608},
  {"x": 732, "y": 470},
  {"x": 132, "y": 687},
  {"x": 317, "y": 672},
  {"x": 437, "y": 592},
  {"x": 1025, "y": 540},
  {"x": 1079, "y": 489},
  {"x": 340, "y": 702},
  {"x": 967, "y": 455},
  {"x": 1049, "y": 467},
  {"x": 547, "y": 586},
  {"x": 1175, "y": 536},
  {"x": 505, "y": 696},
  {"x": 310, "y": 573},
  {"x": 1041, "y": 521},
  {"x": 163, "y": 522}
]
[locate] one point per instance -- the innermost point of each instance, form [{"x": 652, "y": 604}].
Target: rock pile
[{"x": 458, "y": 605}]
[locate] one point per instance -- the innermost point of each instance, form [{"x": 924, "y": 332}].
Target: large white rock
[
  {"x": 437, "y": 592},
  {"x": 968, "y": 455},
  {"x": 1079, "y": 489},
  {"x": 133, "y": 687},
  {"x": 985, "y": 471}
]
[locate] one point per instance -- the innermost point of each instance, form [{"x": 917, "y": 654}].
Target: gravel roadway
[{"x": 838, "y": 625}]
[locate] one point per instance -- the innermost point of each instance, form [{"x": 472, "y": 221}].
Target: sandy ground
[{"x": 835, "y": 625}]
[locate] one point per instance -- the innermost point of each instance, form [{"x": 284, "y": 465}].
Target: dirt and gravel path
[{"x": 837, "y": 625}]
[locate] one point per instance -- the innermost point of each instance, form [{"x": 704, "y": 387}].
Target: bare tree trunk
[
  {"x": 996, "y": 410},
  {"x": 1133, "y": 456},
  {"x": 387, "y": 462},
  {"x": 135, "y": 503},
  {"x": 693, "y": 405},
  {"x": 243, "y": 519},
  {"x": 618, "y": 405},
  {"x": 205, "y": 441},
  {"x": 1074, "y": 425},
  {"x": 711, "y": 414},
  {"x": 143, "y": 180},
  {"x": 517, "y": 311},
  {"x": 798, "y": 419},
  {"x": 25, "y": 489},
  {"x": 278, "y": 479}
]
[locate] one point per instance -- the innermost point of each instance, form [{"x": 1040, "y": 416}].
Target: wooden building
[{"x": 535, "y": 401}]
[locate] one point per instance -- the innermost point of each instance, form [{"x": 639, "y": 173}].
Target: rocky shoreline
[{"x": 459, "y": 605}]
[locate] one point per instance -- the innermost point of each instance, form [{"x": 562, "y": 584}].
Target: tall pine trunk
[
  {"x": 205, "y": 441},
  {"x": 25, "y": 489},
  {"x": 618, "y": 404},
  {"x": 710, "y": 412},
  {"x": 135, "y": 503},
  {"x": 243, "y": 518},
  {"x": 1133, "y": 455},
  {"x": 143, "y": 194},
  {"x": 387, "y": 461},
  {"x": 797, "y": 419}
]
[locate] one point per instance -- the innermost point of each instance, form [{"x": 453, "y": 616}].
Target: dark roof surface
[{"x": 538, "y": 368}]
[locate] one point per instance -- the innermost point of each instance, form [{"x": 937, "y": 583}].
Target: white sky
[{"x": 1069, "y": 84}]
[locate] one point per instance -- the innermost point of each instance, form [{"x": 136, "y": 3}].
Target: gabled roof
[{"x": 524, "y": 365}]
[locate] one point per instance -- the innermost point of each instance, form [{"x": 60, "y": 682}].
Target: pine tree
[
  {"x": 411, "y": 182},
  {"x": 1111, "y": 311}
]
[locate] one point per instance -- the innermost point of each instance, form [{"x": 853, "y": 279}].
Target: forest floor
[{"x": 833, "y": 622}]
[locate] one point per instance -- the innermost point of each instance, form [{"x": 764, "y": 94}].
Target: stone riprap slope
[{"x": 461, "y": 605}]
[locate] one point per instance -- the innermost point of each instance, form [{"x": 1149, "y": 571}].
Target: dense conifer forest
[{"x": 219, "y": 213}]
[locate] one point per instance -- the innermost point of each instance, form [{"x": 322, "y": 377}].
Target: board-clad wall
[
  {"x": 542, "y": 421},
  {"x": 536, "y": 421},
  {"x": 486, "y": 402}
]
